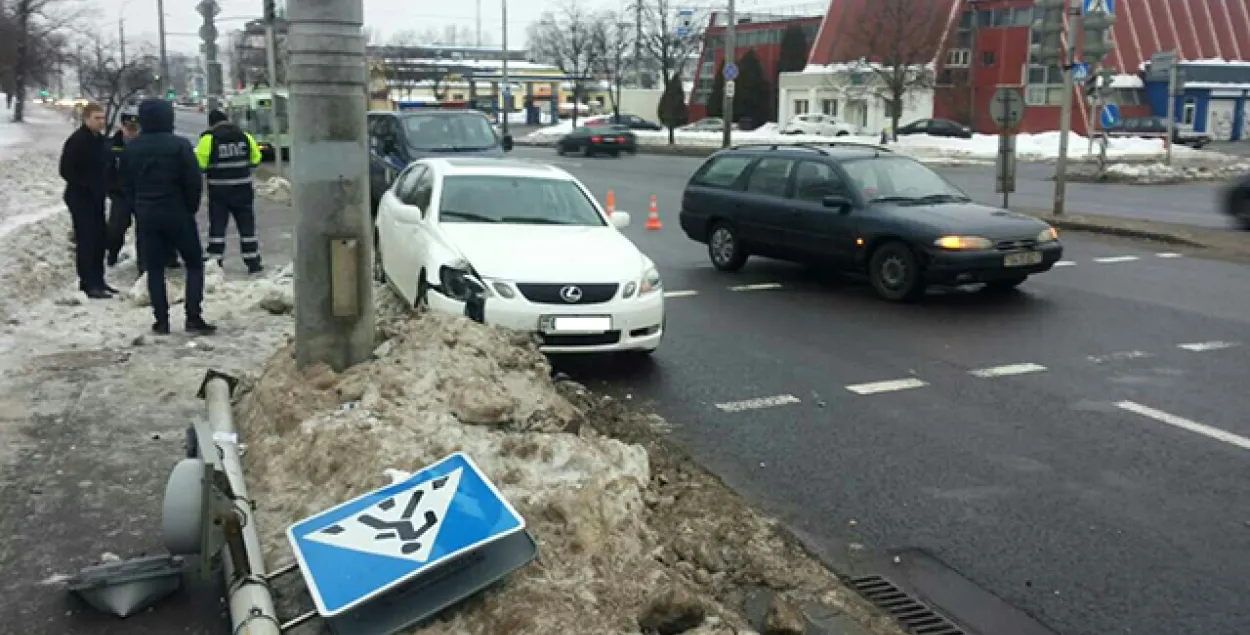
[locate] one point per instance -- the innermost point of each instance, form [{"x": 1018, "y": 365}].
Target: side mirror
[
  {"x": 408, "y": 214},
  {"x": 838, "y": 202},
  {"x": 507, "y": 143},
  {"x": 620, "y": 220}
]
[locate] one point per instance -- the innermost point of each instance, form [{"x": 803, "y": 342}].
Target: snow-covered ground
[
  {"x": 1158, "y": 173},
  {"x": 1029, "y": 147}
]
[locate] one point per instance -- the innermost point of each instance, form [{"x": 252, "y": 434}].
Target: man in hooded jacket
[
  {"x": 161, "y": 180},
  {"x": 228, "y": 154}
]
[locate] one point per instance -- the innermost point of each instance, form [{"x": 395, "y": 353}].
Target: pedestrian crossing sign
[{"x": 371, "y": 544}]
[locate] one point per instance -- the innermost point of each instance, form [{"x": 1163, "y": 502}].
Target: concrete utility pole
[
  {"x": 1065, "y": 116},
  {"x": 334, "y": 316},
  {"x": 271, "y": 53},
  {"x": 505, "y": 106},
  {"x": 160, "y": 21},
  {"x": 121, "y": 38},
  {"x": 1172, "y": 94},
  {"x": 727, "y": 107}
]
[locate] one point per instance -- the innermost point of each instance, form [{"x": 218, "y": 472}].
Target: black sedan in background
[
  {"x": 1237, "y": 202},
  {"x": 592, "y": 140},
  {"x": 936, "y": 128},
  {"x": 859, "y": 209}
]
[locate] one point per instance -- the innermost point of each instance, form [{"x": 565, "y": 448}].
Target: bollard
[{"x": 247, "y": 588}]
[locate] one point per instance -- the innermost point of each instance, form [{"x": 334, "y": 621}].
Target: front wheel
[
  {"x": 422, "y": 302},
  {"x": 724, "y": 250},
  {"x": 379, "y": 272},
  {"x": 1240, "y": 209},
  {"x": 560, "y": 149},
  {"x": 895, "y": 273}
]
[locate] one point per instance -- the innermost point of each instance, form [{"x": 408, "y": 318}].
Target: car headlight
[
  {"x": 461, "y": 284},
  {"x": 650, "y": 283},
  {"x": 1048, "y": 235},
  {"x": 503, "y": 289},
  {"x": 964, "y": 242}
]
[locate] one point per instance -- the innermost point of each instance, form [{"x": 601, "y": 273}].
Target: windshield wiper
[
  {"x": 944, "y": 198},
  {"x": 533, "y": 220},
  {"x": 469, "y": 216},
  {"x": 895, "y": 199}
]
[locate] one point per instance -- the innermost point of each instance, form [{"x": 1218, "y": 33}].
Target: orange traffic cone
[
  {"x": 653, "y": 217},
  {"x": 611, "y": 202}
]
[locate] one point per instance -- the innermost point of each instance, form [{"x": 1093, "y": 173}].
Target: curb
[{"x": 1228, "y": 242}]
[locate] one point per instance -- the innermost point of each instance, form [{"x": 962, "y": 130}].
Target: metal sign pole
[
  {"x": 1167, "y": 143},
  {"x": 1065, "y": 117}
]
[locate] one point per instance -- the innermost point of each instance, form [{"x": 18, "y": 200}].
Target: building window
[
  {"x": 958, "y": 57},
  {"x": 987, "y": 58},
  {"x": 1035, "y": 95},
  {"x": 887, "y": 109},
  {"x": 800, "y": 106},
  {"x": 829, "y": 107},
  {"x": 1189, "y": 112}
]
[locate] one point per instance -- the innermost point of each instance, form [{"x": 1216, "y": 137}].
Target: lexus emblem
[{"x": 571, "y": 294}]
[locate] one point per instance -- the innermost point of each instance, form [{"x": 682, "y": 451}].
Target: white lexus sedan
[{"x": 526, "y": 246}]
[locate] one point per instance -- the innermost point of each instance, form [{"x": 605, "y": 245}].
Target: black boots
[{"x": 199, "y": 326}]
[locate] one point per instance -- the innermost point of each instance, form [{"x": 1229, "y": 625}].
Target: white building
[{"x": 854, "y": 93}]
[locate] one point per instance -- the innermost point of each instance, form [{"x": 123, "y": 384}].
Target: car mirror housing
[{"x": 620, "y": 220}]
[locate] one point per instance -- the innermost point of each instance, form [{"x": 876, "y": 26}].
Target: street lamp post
[
  {"x": 160, "y": 13},
  {"x": 505, "y": 107}
]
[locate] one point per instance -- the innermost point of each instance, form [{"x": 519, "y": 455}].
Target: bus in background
[{"x": 257, "y": 110}]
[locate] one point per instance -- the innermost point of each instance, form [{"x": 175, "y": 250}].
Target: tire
[
  {"x": 724, "y": 249},
  {"x": 588, "y": 151},
  {"x": 842, "y": 133},
  {"x": 1003, "y": 286},
  {"x": 616, "y": 154},
  {"x": 379, "y": 273},
  {"x": 560, "y": 149},
  {"x": 895, "y": 273}
]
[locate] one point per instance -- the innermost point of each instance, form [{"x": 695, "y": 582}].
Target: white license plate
[
  {"x": 581, "y": 324},
  {"x": 1022, "y": 259}
]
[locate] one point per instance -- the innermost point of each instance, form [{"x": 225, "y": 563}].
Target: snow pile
[
  {"x": 1161, "y": 173},
  {"x": 632, "y": 536},
  {"x": 276, "y": 189},
  {"x": 1029, "y": 147}
]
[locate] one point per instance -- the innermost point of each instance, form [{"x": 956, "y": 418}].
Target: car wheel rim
[
  {"x": 722, "y": 246},
  {"x": 893, "y": 272}
]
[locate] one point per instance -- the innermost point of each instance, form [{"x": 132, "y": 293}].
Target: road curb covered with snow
[
  {"x": 1216, "y": 243},
  {"x": 633, "y": 536}
]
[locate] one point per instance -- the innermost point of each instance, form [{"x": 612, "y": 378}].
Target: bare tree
[
  {"x": 104, "y": 79},
  {"x": 670, "y": 46},
  {"x": 39, "y": 47},
  {"x": 568, "y": 40},
  {"x": 614, "y": 39},
  {"x": 900, "y": 39}
]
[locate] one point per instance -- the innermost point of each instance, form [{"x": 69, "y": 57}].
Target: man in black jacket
[
  {"x": 161, "y": 179},
  {"x": 119, "y": 208},
  {"x": 84, "y": 166}
]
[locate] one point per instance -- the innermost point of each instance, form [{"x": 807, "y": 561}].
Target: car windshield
[
  {"x": 523, "y": 200},
  {"x": 895, "y": 179},
  {"x": 450, "y": 131}
]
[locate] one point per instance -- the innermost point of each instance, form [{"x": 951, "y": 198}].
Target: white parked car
[
  {"x": 818, "y": 124},
  {"x": 527, "y": 245}
]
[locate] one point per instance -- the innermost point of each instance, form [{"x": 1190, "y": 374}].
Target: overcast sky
[{"x": 385, "y": 17}]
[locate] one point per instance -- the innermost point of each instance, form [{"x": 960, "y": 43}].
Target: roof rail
[
  {"x": 816, "y": 146},
  {"x": 775, "y": 146},
  {"x": 846, "y": 144}
]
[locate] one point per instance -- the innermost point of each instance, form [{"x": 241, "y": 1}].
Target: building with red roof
[{"x": 980, "y": 45}]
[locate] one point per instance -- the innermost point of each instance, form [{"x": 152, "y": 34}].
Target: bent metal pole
[{"x": 251, "y": 605}]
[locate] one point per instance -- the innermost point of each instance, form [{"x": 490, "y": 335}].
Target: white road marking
[
  {"x": 680, "y": 294},
  {"x": 1185, "y": 424},
  {"x": 1199, "y": 347},
  {"x": 1169, "y": 254},
  {"x": 1065, "y": 263},
  {"x": 756, "y": 287},
  {"x": 1117, "y": 356},
  {"x": 1113, "y": 259},
  {"x": 1009, "y": 369},
  {"x": 759, "y": 402},
  {"x": 886, "y": 386}
]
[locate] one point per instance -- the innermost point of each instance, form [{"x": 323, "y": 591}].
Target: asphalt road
[{"x": 1077, "y": 449}]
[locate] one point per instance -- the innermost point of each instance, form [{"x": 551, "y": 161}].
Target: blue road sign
[
  {"x": 731, "y": 71},
  {"x": 1080, "y": 71},
  {"x": 1109, "y": 117},
  {"x": 360, "y": 549},
  {"x": 1098, "y": 6}
]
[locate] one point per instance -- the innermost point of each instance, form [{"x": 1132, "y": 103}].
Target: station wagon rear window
[{"x": 721, "y": 171}]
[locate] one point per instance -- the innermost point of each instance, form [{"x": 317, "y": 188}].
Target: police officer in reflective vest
[{"x": 227, "y": 154}]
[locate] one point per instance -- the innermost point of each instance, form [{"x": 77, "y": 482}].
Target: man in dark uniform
[
  {"x": 84, "y": 166},
  {"x": 228, "y": 154},
  {"x": 161, "y": 180},
  {"x": 120, "y": 212}
]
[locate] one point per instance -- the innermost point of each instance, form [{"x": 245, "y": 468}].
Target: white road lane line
[
  {"x": 1113, "y": 259},
  {"x": 758, "y": 403},
  {"x": 1009, "y": 369},
  {"x": 1200, "y": 347},
  {"x": 756, "y": 287},
  {"x": 886, "y": 386},
  {"x": 1169, "y": 254},
  {"x": 1065, "y": 263},
  {"x": 1185, "y": 424},
  {"x": 1118, "y": 356},
  {"x": 680, "y": 294}
]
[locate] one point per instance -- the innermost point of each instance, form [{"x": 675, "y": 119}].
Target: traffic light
[
  {"x": 271, "y": 11},
  {"x": 1097, "y": 42},
  {"x": 170, "y": 95},
  {"x": 1047, "y": 46}
]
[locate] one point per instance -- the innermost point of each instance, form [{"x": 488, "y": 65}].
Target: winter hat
[{"x": 215, "y": 117}]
